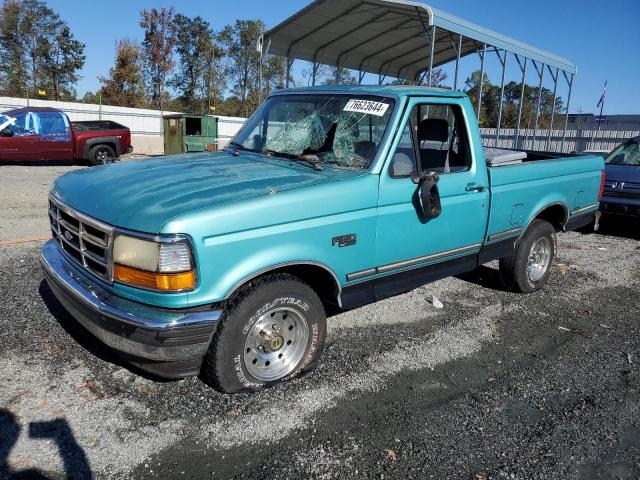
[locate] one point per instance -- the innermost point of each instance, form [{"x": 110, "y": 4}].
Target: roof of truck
[
  {"x": 395, "y": 90},
  {"x": 388, "y": 37},
  {"x": 18, "y": 111}
]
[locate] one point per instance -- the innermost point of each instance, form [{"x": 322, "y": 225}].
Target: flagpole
[
  {"x": 601, "y": 107},
  {"x": 601, "y": 103}
]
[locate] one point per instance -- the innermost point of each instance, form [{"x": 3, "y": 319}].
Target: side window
[
  {"x": 54, "y": 126},
  {"x": 403, "y": 163},
  {"x": 442, "y": 138},
  {"x": 24, "y": 124}
]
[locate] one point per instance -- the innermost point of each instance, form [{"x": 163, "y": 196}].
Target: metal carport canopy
[{"x": 390, "y": 37}]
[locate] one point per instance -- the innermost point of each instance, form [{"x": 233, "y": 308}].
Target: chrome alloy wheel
[
  {"x": 104, "y": 158},
  {"x": 276, "y": 344},
  {"x": 539, "y": 259}
]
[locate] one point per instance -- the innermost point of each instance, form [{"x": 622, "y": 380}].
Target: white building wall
[{"x": 145, "y": 124}]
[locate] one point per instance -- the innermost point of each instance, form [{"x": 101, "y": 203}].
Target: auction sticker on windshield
[{"x": 366, "y": 106}]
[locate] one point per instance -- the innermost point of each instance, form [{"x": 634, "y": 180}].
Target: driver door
[
  {"x": 24, "y": 142},
  {"x": 412, "y": 250}
]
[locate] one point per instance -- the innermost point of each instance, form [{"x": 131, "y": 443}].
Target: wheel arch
[
  {"x": 556, "y": 213},
  {"x": 317, "y": 275},
  {"x": 111, "y": 142}
]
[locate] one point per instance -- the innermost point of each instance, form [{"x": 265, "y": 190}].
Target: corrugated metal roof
[
  {"x": 387, "y": 37},
  {"x": 393, "y": 90}
]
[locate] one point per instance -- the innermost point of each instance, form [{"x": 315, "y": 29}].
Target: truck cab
[{"x": 225, "y": 264}]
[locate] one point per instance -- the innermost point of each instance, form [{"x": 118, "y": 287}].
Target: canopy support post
[
  {"x": 431, "y": 50},
  {"x": 288, "y": 72},
  {"x": 523, "y": 68},
  {"x": 553, "y": 107},
  {"x": 458, "y": 52},
  {"x": 504, "y": 69},
  {"x": 481, "y": 84},
  {"x": 260, "y": 68},
  {"x": 566, "y": 117},
  {"x": 539, "y": 103},
  {"x": 314, "y": 71}
]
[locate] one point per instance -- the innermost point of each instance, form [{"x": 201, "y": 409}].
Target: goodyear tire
[
  {"x": 527, "y": 269},
  {"x": 272, "y": 331},
  {"x": 101, "y": 155}
]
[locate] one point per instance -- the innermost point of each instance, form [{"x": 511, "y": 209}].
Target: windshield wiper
[
  {"x": 237, "y": 146},
  {"x": 309, "y": 159}
]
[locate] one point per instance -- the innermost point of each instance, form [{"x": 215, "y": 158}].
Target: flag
[{"x": 604, "y": 94}]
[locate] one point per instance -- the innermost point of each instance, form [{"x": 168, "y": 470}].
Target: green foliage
[
  {"x": 63, "y": 61},
  {"x": 37, "y": 51},
  {"x": 196, "y": 75},
  {"x": 340, "y": 76},
  {"x": 511, "y": 102},
  {"x": 243, "y": 66},
  {"x": 125, "y": 86}
]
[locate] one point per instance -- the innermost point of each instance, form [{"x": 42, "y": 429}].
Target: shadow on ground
[
  {"x": 44, "y": 163},
  {"x": 483, "y": 276},
  {"x": 73, "y": 457},
  {"x": 623, "y": 226}
]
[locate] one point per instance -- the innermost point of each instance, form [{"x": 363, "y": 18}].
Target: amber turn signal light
[{"x": 157, "y": 281}]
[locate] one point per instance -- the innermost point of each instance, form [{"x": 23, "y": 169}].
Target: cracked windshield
[{"x": 343, "y": 130}]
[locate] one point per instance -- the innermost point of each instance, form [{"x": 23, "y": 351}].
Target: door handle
[{"x": 474, "y": 188}]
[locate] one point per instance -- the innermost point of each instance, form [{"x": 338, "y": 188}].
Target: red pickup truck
[{"x": 45, "y": 133}]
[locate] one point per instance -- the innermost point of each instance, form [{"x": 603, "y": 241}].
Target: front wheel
[
  {"x": 527, "y": 269},
  {"x": 273, "y": 330}
]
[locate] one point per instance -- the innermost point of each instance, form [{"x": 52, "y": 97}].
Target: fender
[
  {"x": 542, "y": 209},
  {"x": 279, "y": 266}
]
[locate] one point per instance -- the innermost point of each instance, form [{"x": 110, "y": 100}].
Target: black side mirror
[
  {"x": 429, "y": 195},
  {"x": 7, "y": 132}
]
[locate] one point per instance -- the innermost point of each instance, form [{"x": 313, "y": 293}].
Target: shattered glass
[{"x": 321, "y": 126}]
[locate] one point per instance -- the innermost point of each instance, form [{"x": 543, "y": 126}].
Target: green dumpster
[{"x": 190, "y": 133}]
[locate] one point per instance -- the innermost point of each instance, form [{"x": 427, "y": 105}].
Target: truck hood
[
  {"x": 622, "y": 173},
  {"x": 144, "y": 194}
]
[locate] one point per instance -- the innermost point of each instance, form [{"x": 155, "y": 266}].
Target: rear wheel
[
  {"x": 102, "y": 155},
  {"x": 527, "y": 269},
  {"x": 273, "y": 330}
]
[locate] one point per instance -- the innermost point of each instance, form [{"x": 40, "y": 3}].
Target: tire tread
[{"x": 209, "y": 372}]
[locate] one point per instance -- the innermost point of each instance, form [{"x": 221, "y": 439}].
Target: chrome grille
[{"x": 85, "y": 240}]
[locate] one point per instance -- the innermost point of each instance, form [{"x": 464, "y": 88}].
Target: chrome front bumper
[{"x": 170, "y": 343}]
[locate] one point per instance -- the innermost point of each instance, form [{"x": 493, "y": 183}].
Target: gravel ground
[
  {"x": 493, "y": 385},
  {"x": 23, "y": 196}
]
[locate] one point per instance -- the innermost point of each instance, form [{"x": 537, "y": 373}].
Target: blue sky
[{"x": 602, "y": 38}]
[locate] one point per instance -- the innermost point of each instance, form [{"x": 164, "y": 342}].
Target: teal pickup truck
[{"x": 224, "y": 264}]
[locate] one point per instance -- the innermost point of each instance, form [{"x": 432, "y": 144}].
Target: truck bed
[
  {"x": 96, "y": 125},
  {"x": 520, "y": 191},
  {"x": 500, "y": 157}
]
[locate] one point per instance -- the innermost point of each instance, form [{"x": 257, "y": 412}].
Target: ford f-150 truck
[
  {"x": 37, "y": 134},
  {"x": 224, "y": 264}
]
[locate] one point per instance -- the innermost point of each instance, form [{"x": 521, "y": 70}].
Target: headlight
[{"x": 158, "y": 265}]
